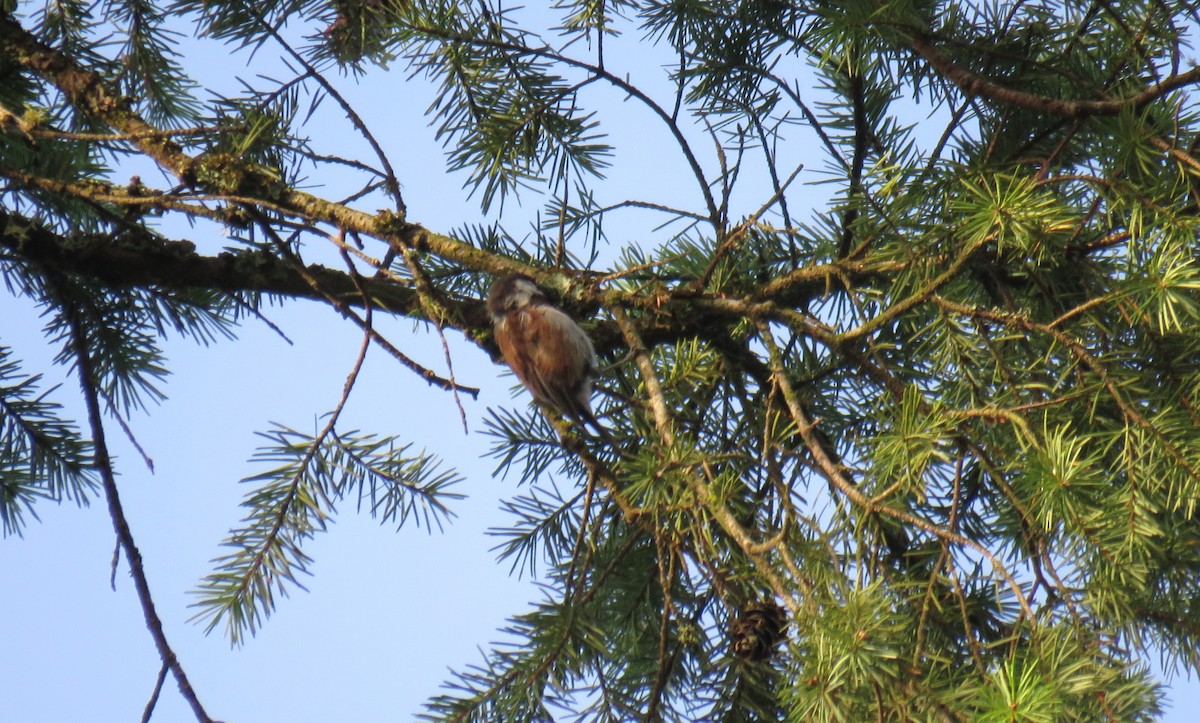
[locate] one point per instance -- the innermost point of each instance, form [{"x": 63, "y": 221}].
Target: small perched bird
[{"x": 545, "y": 348}]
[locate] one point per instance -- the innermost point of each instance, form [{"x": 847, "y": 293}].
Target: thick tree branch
[
  {"x": 973, "y": 86},
  {"x": 144, "y": 259}
]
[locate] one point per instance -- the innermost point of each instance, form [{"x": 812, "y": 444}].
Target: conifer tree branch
[
  {"x": 141, "y": 258},
  {"x": 979, "y": 336},
  {"x": 133, "y": 198},
  {"x": 88, "y": 93},
  {"x": 1080, "y": 352},
  {"x": 665, "y": 428},
  {"x": 390, "y": 183},
  {"x": 974, "y": 86},
  {"x": 91, "y": 397},
  {"x": 714, "y": 215},
  {"x": 363, "y": 322},
  {"x": 262, "y": 564},
  {"x": 148, "y": 711},
  {"x": 831, "y": 471}
]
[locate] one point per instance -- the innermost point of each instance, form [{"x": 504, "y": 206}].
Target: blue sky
[{"x": 386, "y": 613}]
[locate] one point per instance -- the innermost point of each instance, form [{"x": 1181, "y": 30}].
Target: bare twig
[
  {"x": 739, "y": 232},
  {"x": 437, "y": 312},
  {"x": 158, "y": 684},
  {"x": 344, "y": 309},
  {"x": 116, "y": 413},
  {"x": 91, "y": 394}
]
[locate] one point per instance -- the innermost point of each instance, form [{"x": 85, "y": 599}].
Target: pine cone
[{"x": 759, "y": 628}]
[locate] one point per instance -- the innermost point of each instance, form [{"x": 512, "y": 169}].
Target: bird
[{"x": 551, "y": 355}]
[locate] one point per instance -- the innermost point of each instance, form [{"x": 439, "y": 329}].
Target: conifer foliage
[{"x": 927, "y": 449}]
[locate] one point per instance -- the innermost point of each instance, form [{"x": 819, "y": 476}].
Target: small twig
[
  {"x": 588, "y": 492},
  {"x": 646, "y": 205},
  {"x": 560, "y": 246},
  {"x": 666, "y": 577},
  {"x": 344, "y": 309},
  {"x": 738, "y": 233},
  {"x": 772, "y": 170},
  {"x": 158, "y": 684},
  {"x": 726, "y": 181},
  {"x": 116, "y": 413},
  {"x": 116, "y": 560},
  {"x": 968, "y": 628},
  {"x": 680, "y": 84},
  {"x": 324, "y": 158},
  {"x": 262, "y": 317},
  {"x": 437, "y": 313},
  {"x": 360, "y": 193},
  {"x": 454, "y": 386},
  {"x": 1087, "y": 305}
]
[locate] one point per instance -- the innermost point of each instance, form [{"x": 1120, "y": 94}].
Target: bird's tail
[{"x": 586, "y": 419}]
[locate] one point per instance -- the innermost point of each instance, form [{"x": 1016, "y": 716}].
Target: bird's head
[{"x": 512, "y": 292}]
